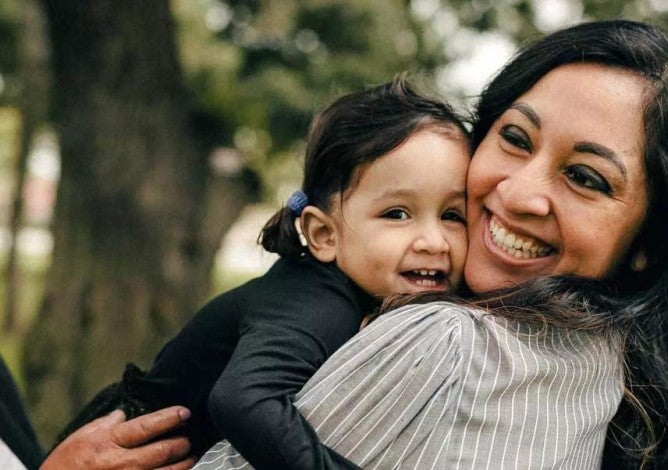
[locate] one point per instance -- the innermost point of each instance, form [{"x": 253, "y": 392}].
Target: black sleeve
[{"x": 252, "y": 399}]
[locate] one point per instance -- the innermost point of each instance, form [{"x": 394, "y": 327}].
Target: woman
[{"x": 569, "y": 177}]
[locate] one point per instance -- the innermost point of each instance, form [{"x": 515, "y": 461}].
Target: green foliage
[
  {"x": 518, "y": 18},
  {"x": 260, "y": 70},
  {"x": 10, "y": 128}
]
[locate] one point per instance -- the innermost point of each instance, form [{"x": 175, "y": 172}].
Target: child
[{"x": 382, "y": 210}]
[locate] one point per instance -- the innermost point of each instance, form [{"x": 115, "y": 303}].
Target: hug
[{"x": 533, "y": 252}]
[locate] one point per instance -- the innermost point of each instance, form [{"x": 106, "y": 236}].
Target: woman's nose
[
  {"x": 526, "y": 190},
  {"x": 432, "y": 240}
]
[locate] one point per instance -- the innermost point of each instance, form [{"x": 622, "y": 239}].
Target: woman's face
[{"x": 558, "y": 184}]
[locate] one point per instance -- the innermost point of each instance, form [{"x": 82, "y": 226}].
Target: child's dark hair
[{"x": 354, "y": 131}]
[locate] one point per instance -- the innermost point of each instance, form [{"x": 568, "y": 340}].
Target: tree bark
[
  {"x": 32, "y": 98},
  {"x": 134, "y": 236}
]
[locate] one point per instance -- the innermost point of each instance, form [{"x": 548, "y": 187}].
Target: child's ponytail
[{"x": 279, "y": 235}]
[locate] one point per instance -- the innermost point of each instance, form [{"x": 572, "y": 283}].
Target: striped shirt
[{"x": 444, "y": 386}]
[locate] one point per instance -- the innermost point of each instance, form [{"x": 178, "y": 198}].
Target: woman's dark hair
[
  {"x": 639, "y": 307},
  {"x": 631, "y": 304},
  {"x": 626, "y": 45},
  {"x": 351, "y": 133}
]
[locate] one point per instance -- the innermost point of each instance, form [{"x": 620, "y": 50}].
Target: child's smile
[
  {"x": 432, "y": 279},
  {"x": 401, "y": 228}
]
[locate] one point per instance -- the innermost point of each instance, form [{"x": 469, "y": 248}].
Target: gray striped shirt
[{"x": 445, "y": 386}]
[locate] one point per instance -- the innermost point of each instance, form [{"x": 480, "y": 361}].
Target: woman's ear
[
  {"x": 639, "y": 261},
  {"x": 319, "y": 230}
]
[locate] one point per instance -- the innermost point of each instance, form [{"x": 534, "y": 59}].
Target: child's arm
[{"x": 252, "y": 401}]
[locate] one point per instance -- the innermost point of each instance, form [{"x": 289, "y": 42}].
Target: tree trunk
[
  {"x": 133, "y": 239},
  {"x": 33, "y": 96}
]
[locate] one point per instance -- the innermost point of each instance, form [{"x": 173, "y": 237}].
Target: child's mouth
[{"x": 426, "y": 278}]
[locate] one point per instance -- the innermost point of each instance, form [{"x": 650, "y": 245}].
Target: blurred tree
[
  {"x": 11, "y": 20},
  {"x": 260, "y": 69},
  {"x": 139, "y": 215},
  {"x": 31, "y": 101},
  {"x": 525, "y": 19},
  {"x": 519, "y": 21}
]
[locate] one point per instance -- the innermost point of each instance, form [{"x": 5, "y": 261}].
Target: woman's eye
[
  {"x": 588, "y": 178},
  {"x": 454, "y": 216},
  {"x": 397, "y": 214},
  {"x": 516, "y": 137}
]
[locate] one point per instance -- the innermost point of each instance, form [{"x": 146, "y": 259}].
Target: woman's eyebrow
[
  {"x": 601, "y": 151},
  {"x": 528, "y": 111}
]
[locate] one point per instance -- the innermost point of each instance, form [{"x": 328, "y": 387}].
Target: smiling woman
[
  {"x": 558, "y": 358},
  {"x": 559, "y": 172}
]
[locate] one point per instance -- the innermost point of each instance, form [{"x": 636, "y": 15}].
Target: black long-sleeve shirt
[
  {"x": 267, "y": 338},
  {"x": 15, "y": 428}
]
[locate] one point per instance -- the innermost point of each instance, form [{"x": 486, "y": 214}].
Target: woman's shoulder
[
  {"x": 422, "y": 328},
  {"x": 407, "y": 347},
  {"x": 475, "y": 328},
  {"x": 437, "y": 314}
]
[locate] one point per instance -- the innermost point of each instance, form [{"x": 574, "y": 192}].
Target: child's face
[{"x": 401, "y": 228}]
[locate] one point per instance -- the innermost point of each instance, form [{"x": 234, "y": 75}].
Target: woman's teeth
[{"x": 515, "y": 245}]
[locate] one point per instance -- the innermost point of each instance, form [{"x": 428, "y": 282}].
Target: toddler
[{"x": 382, "y": 211}]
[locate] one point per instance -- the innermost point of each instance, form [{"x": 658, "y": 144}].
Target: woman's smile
[
  {"x": 514, "y": 249},
  {"x": 515, "y": 244},
  {"x": 558, "y": 183}
]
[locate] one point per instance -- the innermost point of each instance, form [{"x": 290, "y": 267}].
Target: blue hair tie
[{"x": 296, "y": 202}]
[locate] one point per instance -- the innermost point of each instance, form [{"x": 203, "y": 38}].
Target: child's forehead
[{"x": 430, "y": 154}]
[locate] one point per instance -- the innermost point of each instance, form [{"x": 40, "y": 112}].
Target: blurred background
[{"x": 144, "y": 143}]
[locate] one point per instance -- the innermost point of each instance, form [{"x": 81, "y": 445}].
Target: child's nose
[{"x": 431, "y": 240}]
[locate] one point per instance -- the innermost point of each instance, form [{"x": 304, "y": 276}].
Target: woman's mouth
[{"x": 517, "y": 246}]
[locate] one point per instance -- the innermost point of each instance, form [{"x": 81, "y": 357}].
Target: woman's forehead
[{"x": 589, "y": 102}]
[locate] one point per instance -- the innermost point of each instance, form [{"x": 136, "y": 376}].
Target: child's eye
[
  {"x": 397, "y": 214},
  {"x": 454, "y": 216},
  {"x": 586, "y": 177},
  {"x": 516, "y": 137}
]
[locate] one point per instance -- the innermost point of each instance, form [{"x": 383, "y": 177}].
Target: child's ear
[{"x": 320, "y": 232}]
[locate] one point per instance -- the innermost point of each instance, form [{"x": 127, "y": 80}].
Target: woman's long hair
[
  {"x": 631, "y": 304},
  {"x": 635, "y": 437}
]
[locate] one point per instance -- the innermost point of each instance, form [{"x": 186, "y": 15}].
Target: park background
[{"x": 143, "y": 143}]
